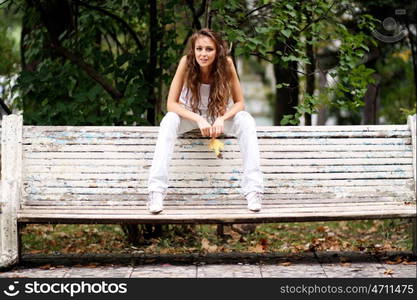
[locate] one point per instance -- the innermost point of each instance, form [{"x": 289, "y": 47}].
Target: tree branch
[
  {"x": 116, "y": 17},
  {"x": 318, "y": 19},
  {"x": 4, "y": 2},
  {"x": 197, "y": 14},
  {"x": 75, "y": 59},
  {"x": 115, "y": 39},
  {"x": 5, "y": 107},
  {"x": 258, "y": 8}
]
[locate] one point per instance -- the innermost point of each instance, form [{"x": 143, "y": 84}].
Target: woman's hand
[
  {"x": 217, "y": 128},
  {"x": 204, "y": 126}
]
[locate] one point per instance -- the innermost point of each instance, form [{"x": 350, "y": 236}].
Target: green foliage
[
  {"x": 291, "y": 22},
  {"x": 309, "y": 106},
  {"x": 398, "y": 95},
  {"x": 56, "y": 91},
  {"x": 9, "y": 56}
]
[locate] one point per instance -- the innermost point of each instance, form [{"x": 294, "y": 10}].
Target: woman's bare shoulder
[
  {"x": 183, "y": 59},
  {"x": 182, "y": 66}
]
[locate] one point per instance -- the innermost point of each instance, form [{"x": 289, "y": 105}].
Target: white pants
[{"x": 242, "y": 126}]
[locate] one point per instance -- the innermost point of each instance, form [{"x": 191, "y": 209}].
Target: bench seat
[
  {"x": 331, "y": 210},
  {"x": 98, "y": 174}
]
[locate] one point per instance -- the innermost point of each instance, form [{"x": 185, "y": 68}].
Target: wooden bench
[{"x": 68, "y": 174}]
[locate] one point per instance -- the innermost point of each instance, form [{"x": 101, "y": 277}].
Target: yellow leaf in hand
[{"x": 216, "y": 146}]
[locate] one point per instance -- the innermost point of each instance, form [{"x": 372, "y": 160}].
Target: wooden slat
[
  {"x": 218, "y": 162},
  {"x": 185, "y": 206},
  {"x": 116, "y": 199},
  {"x": 42, "y": 190},
  {"x": 208, "y": 155},
  {"x": 203, "y": 148},
  {"x": 403, "y": 169},
  {"x": 337, "y": 128},
  {"x": 372, "y": 184},
  {"x": 203, "y": 210},
  {"x": 69, "y": 140},
  {"x": 180, "y": 204},
  {"x": 229, "y": 177},
  {"x": 226, "y": 198},
  {"x": 261, "y": 135},
  {"x": 209, "y": 200},
  {"x": 184, "y": 209},
  {"x": 222, "y": 217},
  {"x": 267, "y": 203}
]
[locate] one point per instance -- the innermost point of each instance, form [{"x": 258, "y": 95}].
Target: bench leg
[
  {"x": 414, "y": 233},
  {"x": 8, "y": 240},
  {"x": 220, "y": 230},
  {"x": 11, "y": 187}
]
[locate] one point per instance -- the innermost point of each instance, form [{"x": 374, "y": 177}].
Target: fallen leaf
[
  {"x": 322, "y": 228},
  {"x": 257, "y": 249},
  {"x": 264, "y": 243},
  {"x": 389, "y": 272},
  {"x": 398, "y": 260},
  {"x": 216, "y": 146},
  {"x": 46, "y": 267},
  {"x": 286, "y": 263},
  {"x": 205, "y": 245}
]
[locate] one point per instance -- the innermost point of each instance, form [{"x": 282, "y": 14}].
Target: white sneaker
[
  {"x": 254, "y": 201},
  {"x": 155, "y": 200}
]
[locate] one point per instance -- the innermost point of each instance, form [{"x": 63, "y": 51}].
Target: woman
[{"x": 200, "y": 95}]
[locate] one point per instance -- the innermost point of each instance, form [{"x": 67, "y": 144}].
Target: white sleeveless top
[{"x": 204, "y": 97}]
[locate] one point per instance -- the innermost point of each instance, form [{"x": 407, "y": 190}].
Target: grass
[{"x": 369, "y": 235}]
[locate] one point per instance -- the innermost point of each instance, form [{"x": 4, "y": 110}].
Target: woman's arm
[
  {"x": 237, "y": 94},
  {"x": 239, "y": 104},
  {"x": 173, "y": 104}
]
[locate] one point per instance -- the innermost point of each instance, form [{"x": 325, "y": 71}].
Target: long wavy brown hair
[{"x": 220, "y": 73}]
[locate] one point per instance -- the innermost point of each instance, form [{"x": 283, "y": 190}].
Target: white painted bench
[{"x": 66, "y": 174}]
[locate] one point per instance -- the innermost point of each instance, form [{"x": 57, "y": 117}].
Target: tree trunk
[
  {"x": 413, "y": 47},
  {"x": 286, "y": 97},
  {"x": 371, "y": 97},
  {"x": 322, "y": 115},
  {"x": 153, "y": 59},
  {"x": 371, "y": 100},
  {"x": 310, "y": 68}
]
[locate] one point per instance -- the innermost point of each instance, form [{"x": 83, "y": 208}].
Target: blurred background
[{"x": 319, "y": 62}]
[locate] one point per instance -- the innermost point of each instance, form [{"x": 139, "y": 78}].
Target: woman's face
[{"x": 205, "y": 51}]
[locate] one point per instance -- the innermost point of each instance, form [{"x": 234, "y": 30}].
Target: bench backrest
[{"x": 77, "y": 166}]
